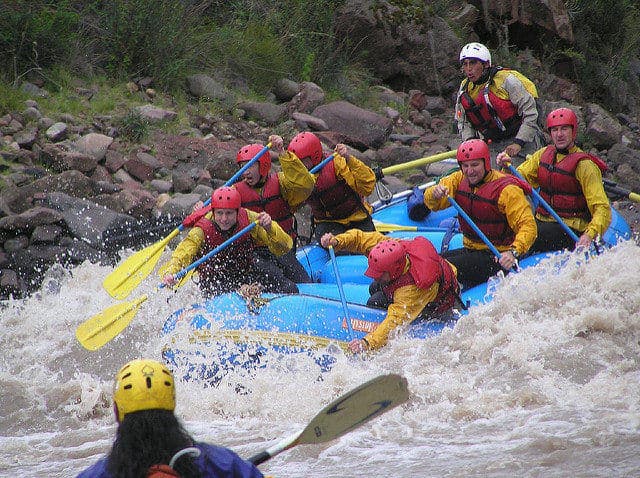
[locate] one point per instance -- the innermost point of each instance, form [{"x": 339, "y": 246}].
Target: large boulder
[
  {"x": 365, "y": 129},
  {"x": 403, "y": 53}
]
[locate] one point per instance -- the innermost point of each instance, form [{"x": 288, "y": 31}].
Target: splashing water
[{"x": 542, "y": 380}]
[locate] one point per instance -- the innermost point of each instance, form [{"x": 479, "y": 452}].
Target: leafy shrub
[
  {"x": 10, "y": 98},
  {"x": 36, "y": 34},
  {"x": 134, "y": 127}
]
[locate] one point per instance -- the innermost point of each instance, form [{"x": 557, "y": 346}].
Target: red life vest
[
  {"x": 559, "y": 186},
  {"x": 162, "y": 471},
  {"x": 426, "y": 268},
  {"x": 482, "y": 207},
  {"x": 332, "y": 198},
  {"x": 269, "y": 200},
  {"x": 496, "y": 118},
  {"x": 239, "y": 253}
]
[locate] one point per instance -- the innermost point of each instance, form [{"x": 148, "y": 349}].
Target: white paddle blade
[
  {"x": 356, "y": 408},
  {"x": 346, "y": 413}
]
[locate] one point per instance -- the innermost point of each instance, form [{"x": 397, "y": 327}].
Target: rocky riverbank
[{"x": 73, "y": 191}]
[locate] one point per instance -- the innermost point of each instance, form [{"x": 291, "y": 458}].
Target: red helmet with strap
[
  {"x": 473, "y": 149},
  {"x": 225, "y": 197},
  {"x": 387, "y": 256},
  {"x": 306, "y": 145},
  {"x": 248, "y": 152},
  {"x": 563, "y": 117}
]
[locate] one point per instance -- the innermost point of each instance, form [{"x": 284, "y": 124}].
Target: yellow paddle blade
[
  {"x": 104, "y": 326},
  {"x": 128, "y": 275},
  {"x": 384, "y": 227}
]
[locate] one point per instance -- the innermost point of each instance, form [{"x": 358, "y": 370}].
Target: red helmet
[
  {"x": 387, "y": 256},
  {"x": 248, "y": 152},
  {"x": 562, "y": 117},
  {"x": 225, "y": 197},
  {"x": 474, "y": 149},
  {"x": 306, "y": 145}
]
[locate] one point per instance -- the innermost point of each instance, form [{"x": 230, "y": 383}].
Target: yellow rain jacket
[
  {"x": 296, "y": 182},
  {"x": 408, "y": 301},
  {"x": 590, "y": 178},
  {"x": 278, "y": 242},
  {"x": 512, "y": 203}
]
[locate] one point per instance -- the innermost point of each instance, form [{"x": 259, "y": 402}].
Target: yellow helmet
[{"x": 143, "y": 385}]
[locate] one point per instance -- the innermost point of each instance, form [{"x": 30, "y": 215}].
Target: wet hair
[{"x": 146, "y": 438}]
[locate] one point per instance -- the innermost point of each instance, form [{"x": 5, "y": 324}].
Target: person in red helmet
[
  {"x": 338, "y": 199},
  {"x": 570, "y": 181},
  {"x": 497, "y": 104},
  {"x": 496, "y": 203},
  {"x": 410, "y": 280},
  {"x": 235, "y": 265},
  {"x": 151, "y": 441},
  {"x": 279, "y": 194}
]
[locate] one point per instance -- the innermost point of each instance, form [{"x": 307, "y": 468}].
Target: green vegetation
[
  {"x": 258, "y": 42},
  {"x": 134, "y": 127},
  {"x": 607, "y": 35}
]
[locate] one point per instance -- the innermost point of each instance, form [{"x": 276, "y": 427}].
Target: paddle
[
  {"x": 96, "y": 331},
  {"x": 419, "y": 162},
  {"x": 546, "y": 205},
  {"x": 344, "y": 414},
  {"x": 334, "y": 262},
  {"x": 613, "y": 188},
  {"x": 388, "y": 227},
  {"x": 128, "y": 275}
]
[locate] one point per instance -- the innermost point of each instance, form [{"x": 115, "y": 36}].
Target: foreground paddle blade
[
  {"x": 346, "y": 413},
  {"x": 130, "y": 274},
  {"x": 101, "y": 328}
]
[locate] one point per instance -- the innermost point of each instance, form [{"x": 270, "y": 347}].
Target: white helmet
[{"x": 475, "y": 50}]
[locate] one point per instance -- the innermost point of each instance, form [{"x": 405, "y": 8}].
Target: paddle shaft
[
  {"x": 321, "y": 164},
  {"x": 236, "y": 176},
  {"x": 613, "y": 188},
  {"x": 212, "y": 253},
  {"x": 334, "y": 262},
  {"x": 419, "y": 162},
  {"x": 546, "y": 205},
  {"x": 475, "y": 227},
  {"x": 344, "y": 414}
]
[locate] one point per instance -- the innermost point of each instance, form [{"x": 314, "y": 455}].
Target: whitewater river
[{"x": 542, "y": 382}]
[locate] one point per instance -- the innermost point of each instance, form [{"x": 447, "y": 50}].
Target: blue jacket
[{"x": 214, "y": 462}]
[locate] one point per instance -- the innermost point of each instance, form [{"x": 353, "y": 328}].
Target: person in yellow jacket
[
  {"x": 497, "y": 104},
  {"x": 411, "y": 281},
  {"x": 236, "y": 264},
  {"x": 496, "y": 203},
  {"x": 570, "y": 181},
  {"x": 279, "y": 194},
  {"x": 338, "y": 199}
]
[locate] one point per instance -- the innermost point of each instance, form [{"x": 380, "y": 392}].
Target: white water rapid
[{"x": 542, "y": 381}]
